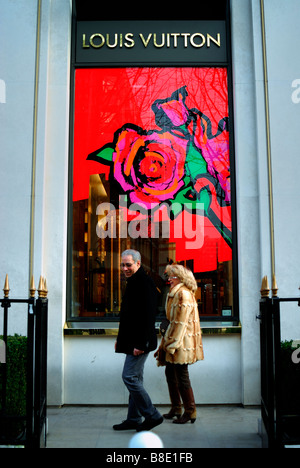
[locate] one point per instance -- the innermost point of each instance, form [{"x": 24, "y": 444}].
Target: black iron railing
[
  {"x": 280, "y": 377},
  {"x": 24, "y": 423}
]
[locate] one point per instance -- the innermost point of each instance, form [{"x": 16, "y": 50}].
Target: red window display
[{"x": 151, "y": 171}]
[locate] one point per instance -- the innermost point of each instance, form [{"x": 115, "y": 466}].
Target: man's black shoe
[
  {"x": 149, "y": 424},
  {"x": 125, "y": 426}
]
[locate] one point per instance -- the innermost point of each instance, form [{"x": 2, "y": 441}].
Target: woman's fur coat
[{"x": 182, "y": 343}]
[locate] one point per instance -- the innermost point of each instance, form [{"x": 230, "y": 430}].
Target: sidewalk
[{"x": 91, "y": 427}]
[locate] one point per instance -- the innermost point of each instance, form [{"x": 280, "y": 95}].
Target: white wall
[
  {"x": 248, "y": 196},
  {"x": 93, "y": 372},
  {"x": 18, "y": 33},
  {"x": 17, "y": 65},
  {"x": 283, "y": 42},
  {"x": 53, "y": 229}
]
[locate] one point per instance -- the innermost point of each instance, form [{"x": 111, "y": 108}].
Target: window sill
[{"x": 110, "y": 329}]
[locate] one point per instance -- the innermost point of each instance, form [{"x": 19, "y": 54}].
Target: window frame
[{"x": 229, "y": 320}]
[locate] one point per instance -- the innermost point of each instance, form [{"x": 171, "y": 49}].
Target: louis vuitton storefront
[
  {"x": 153, "y": 135},
  {"x": 152, "y": 167},
  {"x": 153, "y": 164}
]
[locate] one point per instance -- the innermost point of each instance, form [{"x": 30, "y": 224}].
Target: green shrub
[{"x": 16, "y": 367}]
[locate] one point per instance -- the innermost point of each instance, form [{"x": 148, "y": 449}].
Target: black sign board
[{"x": 151, "y": 42}]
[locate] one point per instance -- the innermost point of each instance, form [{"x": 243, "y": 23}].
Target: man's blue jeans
[{"x": 140, "y": 403}]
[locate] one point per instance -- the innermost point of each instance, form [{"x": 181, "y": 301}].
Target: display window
[{"x": 151, "y": 172}]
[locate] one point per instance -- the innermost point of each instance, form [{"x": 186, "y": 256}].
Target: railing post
[
  {"x": 276, "y": 331},
  {"x": 274, "y": 286},
  {"x": 6, "y": 288},
  {"x": 37, "y": 337},
  {"x": 271, "y": 365},
  {"x": 30, "y": 366},
  {"x": 265, "y": 289},
  {"x": 5, "y": 305},
  {"x": 40, "y": 394},
  {"x": 267, "y": 407},
  {"x": 36, "y": 379}
]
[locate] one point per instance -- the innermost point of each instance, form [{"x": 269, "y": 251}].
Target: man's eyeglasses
[{"x": 173, "y": 277}]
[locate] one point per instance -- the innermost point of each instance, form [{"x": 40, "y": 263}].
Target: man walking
[{"x": 136, "y": 338}]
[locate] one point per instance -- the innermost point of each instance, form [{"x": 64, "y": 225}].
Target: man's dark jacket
[{"x": 137, "y": 318}]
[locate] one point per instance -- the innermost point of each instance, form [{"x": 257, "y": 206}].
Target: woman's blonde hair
[{"x": 184, "y": 275}]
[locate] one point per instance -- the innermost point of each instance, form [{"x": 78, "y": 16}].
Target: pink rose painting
[
  {"x": 149, "y": 165},
  {"x": 174, "y": 164}
]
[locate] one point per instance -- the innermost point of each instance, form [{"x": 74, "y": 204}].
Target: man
[{"x": 136, "y": 338}]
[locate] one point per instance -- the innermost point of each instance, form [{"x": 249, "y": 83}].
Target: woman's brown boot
[
  {"x": 175, "y": 412},
  {"x": 190, "y": 412},
  {"x": 175, "y": 402}
]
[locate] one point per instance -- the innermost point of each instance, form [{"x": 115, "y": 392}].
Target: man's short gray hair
[{"x": 136, "y": 256}]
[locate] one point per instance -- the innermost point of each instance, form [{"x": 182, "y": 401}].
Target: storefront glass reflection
[{"x": 151, "y": 172}]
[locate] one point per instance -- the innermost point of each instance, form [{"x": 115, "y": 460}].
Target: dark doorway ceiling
[{"x": 97, "y": 10}]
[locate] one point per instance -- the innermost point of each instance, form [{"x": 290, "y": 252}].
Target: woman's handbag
[
  {"x": 164, "y": 326},
  {"x": 160, "y": 357}
]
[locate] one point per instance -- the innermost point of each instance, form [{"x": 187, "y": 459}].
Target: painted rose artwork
[{"x": 162, "y": 136}]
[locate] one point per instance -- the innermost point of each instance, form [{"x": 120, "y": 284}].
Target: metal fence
[
  {"x": 280, "y": 375},
  {"x": 23, "y": 422}
]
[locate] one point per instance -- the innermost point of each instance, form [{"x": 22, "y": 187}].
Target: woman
[{"x": 182, "y": 342}]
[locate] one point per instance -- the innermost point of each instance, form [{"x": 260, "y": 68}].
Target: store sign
[{"x": 159, "y": 42}]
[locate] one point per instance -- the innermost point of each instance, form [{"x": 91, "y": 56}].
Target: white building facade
[{"x": 37, "y": 103}]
